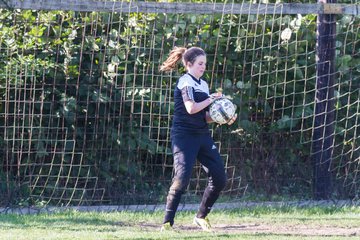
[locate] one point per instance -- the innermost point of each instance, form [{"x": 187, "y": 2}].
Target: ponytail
[
  {"x": 175, "y": 55},
  {"x": 187, "y": 56}
]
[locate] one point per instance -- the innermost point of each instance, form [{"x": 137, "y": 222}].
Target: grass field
[{"x": 247, "y": 223}]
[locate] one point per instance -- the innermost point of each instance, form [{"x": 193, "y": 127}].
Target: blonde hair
[{"x": 186, "y": 55}]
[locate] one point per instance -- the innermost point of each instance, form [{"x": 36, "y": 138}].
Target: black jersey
[{"x": 198, "y": 91}]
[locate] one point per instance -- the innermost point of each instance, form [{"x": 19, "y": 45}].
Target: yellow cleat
[
  {"x": 166, "y": 227},
  {"x": 203, "y": 223}
]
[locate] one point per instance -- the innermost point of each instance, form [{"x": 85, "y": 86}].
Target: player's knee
[
  {"x": 220, "y": 182},
  {"x": 178, "y": 187}
]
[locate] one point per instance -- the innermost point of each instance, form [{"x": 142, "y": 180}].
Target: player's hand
[
  {"x": 216, "y": 95},
  {"x": 233, "y": 119}
]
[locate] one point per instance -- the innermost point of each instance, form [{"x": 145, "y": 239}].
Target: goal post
[{"x": 324, "y": 121}]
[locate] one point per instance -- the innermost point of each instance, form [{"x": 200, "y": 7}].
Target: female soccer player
[{"x": 190, "y": 135}]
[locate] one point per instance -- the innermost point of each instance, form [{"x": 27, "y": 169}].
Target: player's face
[{"x": 198, "y": 68}]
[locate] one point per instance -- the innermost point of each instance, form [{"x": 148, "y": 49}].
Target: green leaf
[
  {"x": 115, "y": 60},
  {"x": 286, "y": 122},
  {"x": 227, "y": 83},
  {"x": 37, "y": 31}
]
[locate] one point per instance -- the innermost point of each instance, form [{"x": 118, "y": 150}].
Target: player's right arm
[{"x": 191, "y": 106}]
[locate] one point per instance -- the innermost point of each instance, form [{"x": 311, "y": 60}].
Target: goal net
[{"x": 85, "y": 113}]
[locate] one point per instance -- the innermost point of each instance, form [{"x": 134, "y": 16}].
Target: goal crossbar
[{"x": 176, "y": 7}]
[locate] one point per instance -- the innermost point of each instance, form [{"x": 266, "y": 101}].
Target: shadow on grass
[{"x": 68, "y": 220}]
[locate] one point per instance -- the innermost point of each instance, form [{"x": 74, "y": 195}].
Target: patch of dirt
[
  {"x": 296, "y": 230},
  {"x": 301, "y": 230}
]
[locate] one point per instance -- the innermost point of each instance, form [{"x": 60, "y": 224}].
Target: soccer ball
[{"x": 222, "y": 110}]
